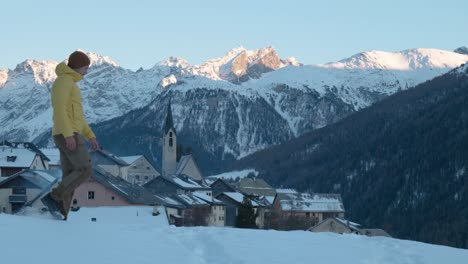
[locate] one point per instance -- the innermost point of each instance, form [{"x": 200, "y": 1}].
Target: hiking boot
[{"x": 52, "y": 206}]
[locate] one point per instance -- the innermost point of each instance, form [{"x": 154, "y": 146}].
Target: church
[{"x": 170, "y": 166}]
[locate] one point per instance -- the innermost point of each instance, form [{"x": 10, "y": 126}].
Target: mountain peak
[
  {"x": 43, "y": 71},
  {"x": 174, "y": 62},
  {"x": 3, "y": 77},
  {"x": 99, "y": 60},
  {"x": 410, "y": 59},
  {"x": 462, "y": 50},
  {"x": 239, "y": 64}
]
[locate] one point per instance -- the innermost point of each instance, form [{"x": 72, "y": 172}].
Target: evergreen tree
[{"x": 246, "y": 216}]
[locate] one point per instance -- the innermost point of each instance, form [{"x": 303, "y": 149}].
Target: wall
[
  {"x": 217, "y": 216},
  {"x": 102, "y": 196}
]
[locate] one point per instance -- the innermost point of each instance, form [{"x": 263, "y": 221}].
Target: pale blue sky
[{"x": 140, "y": 33}]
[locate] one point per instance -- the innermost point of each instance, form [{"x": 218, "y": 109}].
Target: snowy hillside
[{"x": 132, "y": 235}]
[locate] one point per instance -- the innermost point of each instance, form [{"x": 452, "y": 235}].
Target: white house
[
  {"x": 139, "y": 170},
  {"x": 15, "y": 159}
]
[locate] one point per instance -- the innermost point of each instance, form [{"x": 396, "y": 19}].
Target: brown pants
[{"x": 76, "y": 169}]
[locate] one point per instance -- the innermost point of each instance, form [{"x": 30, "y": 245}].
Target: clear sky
[{"x": 141, "y": 33}]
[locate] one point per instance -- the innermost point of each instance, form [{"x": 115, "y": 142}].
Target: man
[{"x": 69, "y": 128}]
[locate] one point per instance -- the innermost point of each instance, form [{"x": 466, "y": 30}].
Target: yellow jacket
[{"x": 66, "y": 102}]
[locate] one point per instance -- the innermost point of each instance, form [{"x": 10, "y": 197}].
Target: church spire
[{"x": 169, "y": 122}]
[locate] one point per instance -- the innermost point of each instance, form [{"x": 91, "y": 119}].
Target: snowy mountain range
[{"x": 224, "y": 95}]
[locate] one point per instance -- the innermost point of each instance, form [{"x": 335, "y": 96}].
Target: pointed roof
[{"x": 169, "y": 121}]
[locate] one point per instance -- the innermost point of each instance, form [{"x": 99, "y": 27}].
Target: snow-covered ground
[
  {"x": 232, "y": 175},
  {"x": 132, "y": 235}
]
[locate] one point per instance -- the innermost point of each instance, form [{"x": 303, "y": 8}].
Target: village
[{"x": 188, "y": 198}]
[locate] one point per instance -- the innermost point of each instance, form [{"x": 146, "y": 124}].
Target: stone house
[{"x": 298, "y": 211}]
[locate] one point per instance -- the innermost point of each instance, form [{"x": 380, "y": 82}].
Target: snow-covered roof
[
  {"x": 182, "y": 163},
  {"x": 133, "y": 193},
  {"x": 47, "y": 175},
  {"x": 255, "y": 186},
  {"x": 53, "y": 154},
  {"x": 346, "y": 222},
  {"x": 101, "y": 155},
  {"x": 16, "y": 157},
  {"x": 188, "y": 183},
  {"x": 305, "y": 202},
  {"x": 42, "y": 179},
  {"x": 207, "y": 198},
  {"x": 131, "y": 159},
  {"x": 191, "y": 200},
  {"x": 184, "y": 182},
  {"x": 238, "y": 197},
  {"x": 286, "y": 191}
]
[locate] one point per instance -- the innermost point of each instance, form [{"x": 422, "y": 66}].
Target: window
[
  {"x": 137, "y": 177},
  {"x": 170, "y": 139},
  {"x": 146, "y": 177},
  {"x": 308, "y": 214},
  {"x": 75, "y": 201},
  {"x": 11, "y": 158},
  {"x": 147, "y": 168},
  {"x": 113, "y": 198},
  {"x": 90, "y": 195}
]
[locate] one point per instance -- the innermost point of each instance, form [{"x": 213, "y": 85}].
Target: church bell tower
[{"x": 169, "y": 151}]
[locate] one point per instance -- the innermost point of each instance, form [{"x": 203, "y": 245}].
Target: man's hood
[{"x": 63, "y": 69}]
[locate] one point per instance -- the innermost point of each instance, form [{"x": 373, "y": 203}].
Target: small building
[
  {"x": 140, "y": 170},
  {"x": 233, "y": 201},
  {"x": 110, "y": 163},
  {"x": 217, "y": 217},
  {"x": 188, "y": 210},
  {"x": 336, "y": 225},
  {"x": 188, "y": 166},
  {"x": 53, "y": 154},
  {"x": 343, "y": 226},
  {"x": 105, "y": 189},
  {"x": 176, "y": 184},
  {"x": 298, "y": 211},
  {"x": 219, "y": 186},
  {"x": 15, "y": 158},
  {"x": 25, "y": 188}
]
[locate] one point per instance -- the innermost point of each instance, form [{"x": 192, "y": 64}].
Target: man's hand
[
  {"x": 94, "y": 144},
  {"x": 71, "y": 143}
]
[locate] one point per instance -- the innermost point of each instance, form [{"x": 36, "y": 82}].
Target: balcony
[{"x": 18, "y": 198}]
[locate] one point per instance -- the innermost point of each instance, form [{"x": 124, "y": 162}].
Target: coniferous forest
[{"x": 401, "y": 164}]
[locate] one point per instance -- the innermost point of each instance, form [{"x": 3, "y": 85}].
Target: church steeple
[
  {"x": 169, "y": 151},
  {"x": 169, "y": 124}
]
